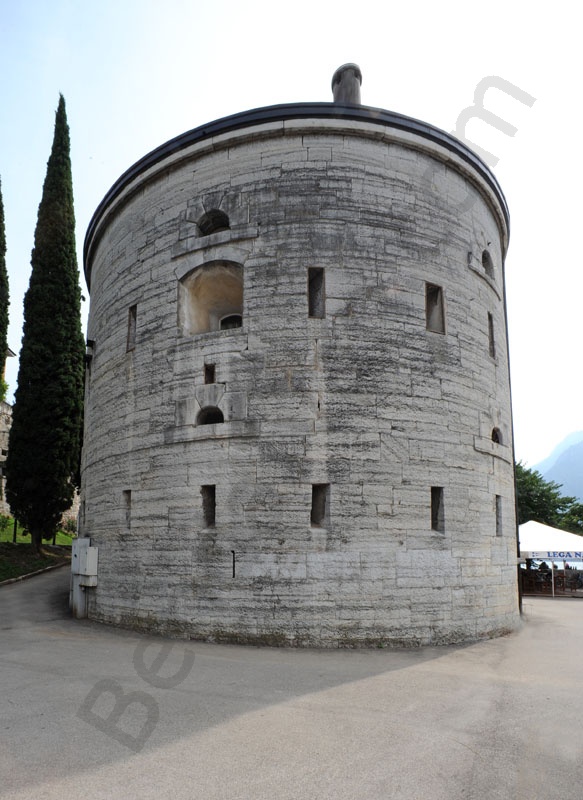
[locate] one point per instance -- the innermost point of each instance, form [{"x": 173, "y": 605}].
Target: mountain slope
[
  {"x": 548, "y": 463},
  {"x": 567, "y": 470}
]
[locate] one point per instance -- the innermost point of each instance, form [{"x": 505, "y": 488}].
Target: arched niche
[
  {"x": 213, "y": 221},
  {"x": 208, "y": 294},
  {"x": 210, "y": 415},
  {"x": 487, "y": 264},
  {"x": 497, "y": 436}
]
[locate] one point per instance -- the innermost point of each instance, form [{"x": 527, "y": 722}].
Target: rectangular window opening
[
  {"x": 90, "y": 344},
  {"x": 437, "y": 511},
  {"x": 434, "y": 309},
  {"x": 209, "y": 505},
  {"x": 491, "y": 340},
  {"x": 127, "y": 501},
  {"x": 132, "y": 325},
  {"x": 498, "y": 515},
  {"x": 316, "y": 293},
  {"x": 209, "y": 373},
  {"x": 320, "y": 514}
]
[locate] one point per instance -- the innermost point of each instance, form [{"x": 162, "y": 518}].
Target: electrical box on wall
[{"x": 84, "y": 562}]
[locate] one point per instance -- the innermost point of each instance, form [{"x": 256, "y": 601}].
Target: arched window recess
[
  {"x": 210, "y": 298},
  {"x": 210, "y": 415},
  {"x": 231, "y": 321},
  {"x": 213, "y": 221},
  {"x": 487, "y": 264}
]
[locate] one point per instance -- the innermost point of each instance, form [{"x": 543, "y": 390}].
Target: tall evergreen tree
[
  {"x": 43, "y": 449},
  {"x": 4, "y": 300}
]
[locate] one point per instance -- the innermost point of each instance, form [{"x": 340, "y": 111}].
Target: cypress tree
[
  {"x": 45, "y": 438},
  {"x": 4, "y": 300}
]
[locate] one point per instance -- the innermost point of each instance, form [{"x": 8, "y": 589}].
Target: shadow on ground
[{"x": 62, "y": 676}]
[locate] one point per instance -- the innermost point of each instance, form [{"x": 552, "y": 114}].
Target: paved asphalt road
[{"x": 498, "y": 719}]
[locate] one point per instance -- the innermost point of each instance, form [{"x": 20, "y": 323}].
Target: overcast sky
[{"x": 136, "y": 73}]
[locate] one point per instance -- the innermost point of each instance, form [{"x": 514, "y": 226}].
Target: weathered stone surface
[{"x": 361, "y": 397}]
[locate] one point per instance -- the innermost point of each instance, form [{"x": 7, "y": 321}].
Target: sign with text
[{"x": 562, "y": 555}]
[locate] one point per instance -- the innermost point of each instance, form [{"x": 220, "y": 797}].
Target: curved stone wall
[{"x": 298, "y": 425}]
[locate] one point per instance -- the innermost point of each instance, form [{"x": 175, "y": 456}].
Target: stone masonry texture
[{"x": 207, "y": 530}]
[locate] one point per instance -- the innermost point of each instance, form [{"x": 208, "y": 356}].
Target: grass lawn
[
  {"x": 7, "y": 531},
  {"x": 18, "y": 559}
]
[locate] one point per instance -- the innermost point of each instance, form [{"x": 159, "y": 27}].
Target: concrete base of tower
[{"x": 369, "y": 633}]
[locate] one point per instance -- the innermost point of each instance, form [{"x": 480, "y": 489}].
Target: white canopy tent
[{"x": 544, "y": 543}]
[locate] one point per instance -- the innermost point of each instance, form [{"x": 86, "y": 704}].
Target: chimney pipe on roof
[{"x": 346, "y": 84}]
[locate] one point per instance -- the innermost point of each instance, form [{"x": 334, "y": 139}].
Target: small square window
[{"x": 209, "y": 373}]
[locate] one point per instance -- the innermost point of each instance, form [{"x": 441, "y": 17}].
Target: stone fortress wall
[
  {"x": 298, "y": 424},
  {"x": 5, "y": 423}
]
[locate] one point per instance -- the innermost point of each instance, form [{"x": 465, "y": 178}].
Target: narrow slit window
[
  {"x": 491, "y": 340},
  {"x": 316, "y": 293},
  {"x": 132, "y": 325},
  {"x": 209, "y": 504},
  {"x": 89, "y": 345},
  {"x": 437, "y": 510},
  {"x": 320, "y": 513},
  {"x": 496, "y": 435},
  {"x": 434, "y": 309},
  {"x": 498, "y": 515},
  {"x": 127, "y": 504},
  {"x": 209, "y": 373}
]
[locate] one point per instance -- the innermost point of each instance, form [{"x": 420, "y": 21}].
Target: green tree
[
  {"x": 44, "y": 444},
  {"x": 572, "y": 519},
  {"x": 542, "y": 501},
  {"x": 4, "y": 301}
]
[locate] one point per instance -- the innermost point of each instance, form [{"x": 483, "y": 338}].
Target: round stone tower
[{"x": 298, "y": 424}]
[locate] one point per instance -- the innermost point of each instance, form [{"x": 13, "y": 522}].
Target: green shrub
[{"x": 70, "y": 526}]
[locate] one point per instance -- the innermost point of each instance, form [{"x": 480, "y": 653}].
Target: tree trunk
[{"x": 36, "y": 540}]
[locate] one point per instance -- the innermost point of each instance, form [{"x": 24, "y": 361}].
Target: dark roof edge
[{"x": 289, "y": 111}]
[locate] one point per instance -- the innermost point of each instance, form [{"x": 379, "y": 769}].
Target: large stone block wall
[
  {"x": 5, "y": 424},
  {"x": 365, "y": 399}
]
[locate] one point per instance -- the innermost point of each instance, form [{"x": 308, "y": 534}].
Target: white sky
[{"x": 136, "y": 73}]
